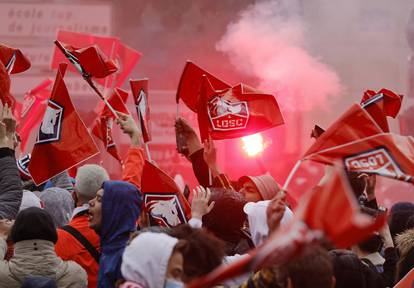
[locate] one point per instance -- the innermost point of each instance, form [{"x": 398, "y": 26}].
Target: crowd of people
[{"x": 93, "y": 231}]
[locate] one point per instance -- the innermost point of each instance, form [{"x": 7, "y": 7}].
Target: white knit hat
[{"x": 89, "y": 180}]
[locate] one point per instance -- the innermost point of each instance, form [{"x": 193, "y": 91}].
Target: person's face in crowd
[
  {"x": 175, "y": 268},
  {"x": 95, "y": 211},
  {"x": 250, "y": 192}
]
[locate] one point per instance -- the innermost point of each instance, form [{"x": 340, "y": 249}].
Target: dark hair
[
  {"x": 399, "y": 215},
  {"x": 34, "y": 223},
  {"x": 204, "y": 252},
  {"x": 227, "y": 217},
  {"x": 372, "y": 244},
  {"x": 313, "y": 269}
]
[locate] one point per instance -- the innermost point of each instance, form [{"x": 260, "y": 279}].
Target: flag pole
[
  {"x": 105, "y": 91},
  {"x": 85, "y": 76},
  {"x": 148, "y": 152},
  {"x": 290, "y": 176}
]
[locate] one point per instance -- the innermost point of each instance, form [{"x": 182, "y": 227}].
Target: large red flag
[
  {"x": 63, "y": 141},
  {"x": 344, "y": 227},
  {"x": 383, "y": 154},
  {"x": 104, "y": 123},
  {"x": 124, "y": 56},
  {"x": 139, "y": 90},
  {"x": 380, "y": 105},
  {"x": 13, "y": 59},
  {"x": 235, "y": 112},
  {"x": 190, "y": 84},
  {"x": 31, "y": 112},
  {"x": 352, "y": 125},
  {"x": 163, "y": 200}
]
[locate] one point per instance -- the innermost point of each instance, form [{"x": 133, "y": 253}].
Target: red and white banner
[
  {"x": 13, "y": 59},
  {"x": 139, "y": 90},
  {"x": 63, "y": 140},
  {"x": 164, "y": 202},
  {"x": 235, "y": 112}
]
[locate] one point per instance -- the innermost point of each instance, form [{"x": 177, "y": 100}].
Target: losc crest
[
  {"x": 164, "y": 209},
  {"x": 378, "y": 161},
  {"x": 225, "y": 115},
  {"x": 51, "y": 126}
]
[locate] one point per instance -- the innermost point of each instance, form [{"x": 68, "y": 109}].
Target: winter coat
[
  {"x": 38, "y": 257},
  {"x": 69, "y": 248},
  {"x": 11, "y": 191},
  {"x": 121, "y": 207}
]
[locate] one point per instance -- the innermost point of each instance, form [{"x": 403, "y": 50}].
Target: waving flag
[
  {"x": 104, "y": 123},
  {"x": 344, "y": 227},
  {"x": 5, "y": 96},
  {"x": 235, "y": 112},
  {"x": 13, "y": 59},
  {"x": 353, "y": 125},
  {"x": 31, "y": 112},
  {"x": 140, "y": 92},
  {"x": 164, "y": 202},
  {"x": 407, "y": 281},
  {"x": 124, "y": 56},
  {"x": 190, "y": 84},
  {"x": 385, "y": 154},
  {"x": 380, "y": 105},
  {"x": 63, "y": 141},
  {"x": 23, "y": 165}
]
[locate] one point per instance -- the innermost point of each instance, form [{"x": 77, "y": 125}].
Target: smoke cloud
[{"x": 268, "y": 42}]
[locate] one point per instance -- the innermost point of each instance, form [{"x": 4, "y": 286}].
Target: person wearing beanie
[
  {"x": 399, "y": 214},
  {"x": 59, "y": 203},
  {"x": 163, "y": 267},
  {"x": 34, "y": 234},
  {"x": 258, "y": 188}
]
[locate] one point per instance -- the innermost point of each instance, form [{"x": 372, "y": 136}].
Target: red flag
[
  {"x": 190, "y": 84},
  {"x": 13, "y": 59},
  {"x": 163, "y": 200},
  {"x": 31, "y": 112},
  {"x": 139, "y": 90},
  {"x": 63, "y": 141},
  {"x": 353, "y": 125},
  {"x": 124, "y": 56},
  {"x": 385, "y": 154},
  {"x": 407, "y": 281},
  {"x": 380, "y": 105},
  {"x": 235, "y": 112},
  {"x": 5, "y": 96},
  {"x": 104, "y": 124},
  {"x": 344, "y": 227}
]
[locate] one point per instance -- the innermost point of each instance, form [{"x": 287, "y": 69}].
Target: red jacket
[{"x": 68, "y": 248}]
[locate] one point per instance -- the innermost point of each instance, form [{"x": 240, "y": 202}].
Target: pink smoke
[{"x": 268, "y": 42}]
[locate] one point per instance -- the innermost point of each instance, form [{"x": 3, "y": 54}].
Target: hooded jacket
[
  {"x": 144, "y": 268},
  {"x": 11, "y": 191},
  {"x": 121, "y": 207}
]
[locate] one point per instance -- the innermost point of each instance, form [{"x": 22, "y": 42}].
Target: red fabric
[
  {"x": 104, "y": 123},
  {"x": 161, "y": 196},
  {"x": 380, "y": 105},
  {"x": 407, "y": 281},
  {"x": 13, "y": 59},
  {"x": 352, "y": 125},
  {"x": 133, "y": 167},
  {"x": 63, "y": 141},
  {"x": 125, "y": 57},
  {"x": 5, "y": 96},
  {"x": 235, "y": 112},
  {"x": 384, "y": 154},
  {"x": 68, "y": 248},
  {"x": 31, "y": 112},
  {"x": 190, "y": 84},
  {"x": 139, "y": 90},
  {"x": 344, "y": 227}
]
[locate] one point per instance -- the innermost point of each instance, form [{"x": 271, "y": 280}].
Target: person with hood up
[
  {"x": 59, "y": 203},
  {"x": 162, "y": 267},
  {"x": 113, "y": 214},
  {"x": 34, "y": 235}
]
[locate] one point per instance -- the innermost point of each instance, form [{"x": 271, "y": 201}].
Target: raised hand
[
  {"x": 129, "y": 127},
  {"x": 193, "y": 142},
  {"x": 7, "y": 128},
  {"x": 199, "y": 205},
  {"x": 276, "y": 210},
  {"x": 210, "y": 156}
]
